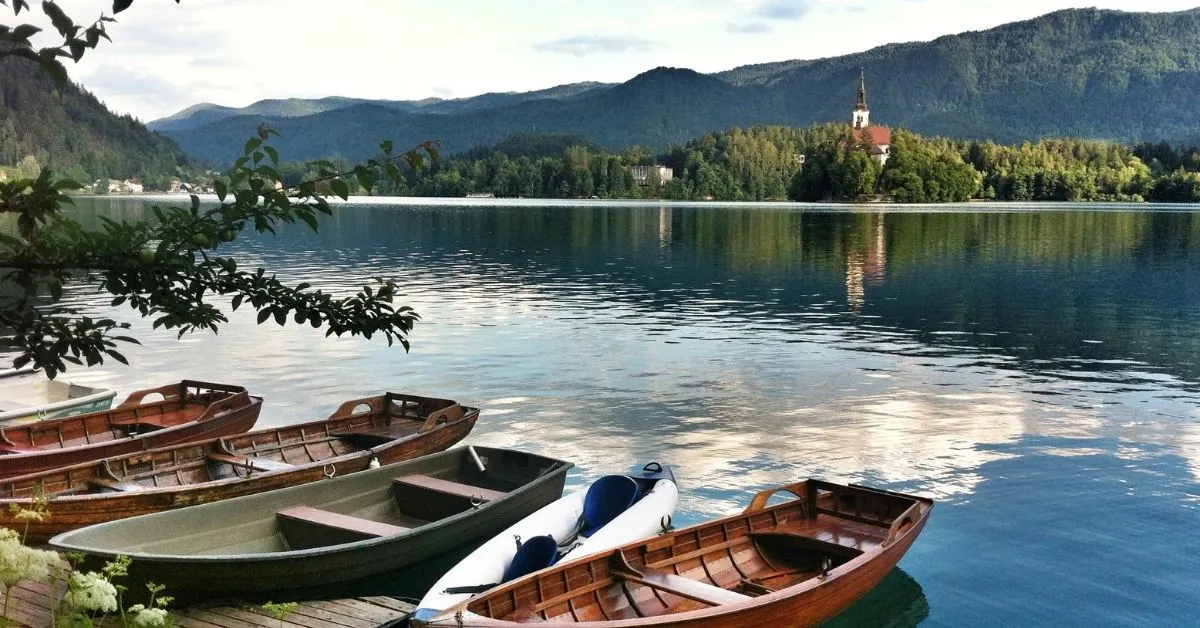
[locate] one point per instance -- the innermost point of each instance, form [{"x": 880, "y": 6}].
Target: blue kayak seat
[
  {"x": 536, "y": 553},
  {"x": 607, "y": 498}
]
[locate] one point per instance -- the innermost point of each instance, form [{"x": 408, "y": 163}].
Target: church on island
[{"x": 877, "y": 139}]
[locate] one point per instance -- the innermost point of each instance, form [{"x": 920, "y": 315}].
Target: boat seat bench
[
  {"x": 257, "y": 464},
  {"x": 116, "y": 485},
  {"x": 674, "y": 584},
  {"x": 449, "y": 487},
  {"x": 327, "y": 519},
  {"x": 687, "y": 588}
]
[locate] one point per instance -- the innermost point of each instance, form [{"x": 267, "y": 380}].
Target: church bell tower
[{"x": 862, "y": 115}]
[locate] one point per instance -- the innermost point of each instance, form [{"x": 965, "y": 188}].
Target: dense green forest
[
  {"x": 67, "y": 129},
  {"x": 1096, "y": 74},
  {"x": 822, "y": 162}
]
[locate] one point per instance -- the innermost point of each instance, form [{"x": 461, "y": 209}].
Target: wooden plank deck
[{"x": 33, "y": 604}]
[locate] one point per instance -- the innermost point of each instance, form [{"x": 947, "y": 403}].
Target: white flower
[
  {"x": 90, "y": 592},
  {"x": 18, "y": 562},
  {"x": 149, "y": 617}
]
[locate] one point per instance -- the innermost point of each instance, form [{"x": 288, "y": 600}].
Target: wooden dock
[{"x": 33, "y": 602}]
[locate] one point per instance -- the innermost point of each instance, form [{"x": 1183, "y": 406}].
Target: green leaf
[
  {"x": 252, "y": 144},
  {"x": 263, "y": 315},
  {"x": 195, "y": 205},
  {"x": 24, "y": 31},
  {"x": 61, "y": 22},
  {"x": 78, "y": 47},
  {"x": 93, "y": 35},
  {"x": 272, "y": 153},
  {"x": 340, "y": 188},
  {"x": 366, "y": 179},
  {"x": 116, "y": 355},
  {"x": 221, "y": 188},
  {"x": 121, "y": 5},
  {"x": 386, "y": 147}
]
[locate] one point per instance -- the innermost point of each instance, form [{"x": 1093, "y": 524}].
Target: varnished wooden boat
[
  {"x": 147, "y": 419},
  {"x": 797, "y": 563},
  {"x": 27, "y": 395},
  {"x": 296, "y": 542},
  {"x": 376, "y": 430}
]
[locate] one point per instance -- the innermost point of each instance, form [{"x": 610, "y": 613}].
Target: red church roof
[{"x": 876, "y": 136}]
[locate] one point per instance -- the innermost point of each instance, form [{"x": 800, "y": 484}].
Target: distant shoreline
[{"x": 630, "y": 202}]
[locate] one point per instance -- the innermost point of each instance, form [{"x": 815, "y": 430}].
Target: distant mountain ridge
[
  {"x": 1081, "y": 72},
  {"x": 204, "y": 113}
]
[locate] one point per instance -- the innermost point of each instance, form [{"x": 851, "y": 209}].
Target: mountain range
[{"x": 1083, "y": 72}]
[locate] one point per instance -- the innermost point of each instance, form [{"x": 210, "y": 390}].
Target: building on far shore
[
  {"x": 642, "y": 175},
  {"x": 877, "y": 139}
]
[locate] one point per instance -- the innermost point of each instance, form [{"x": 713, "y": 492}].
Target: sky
[{"x": 167, "y": 56}]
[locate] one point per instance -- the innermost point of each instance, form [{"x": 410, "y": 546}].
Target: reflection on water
[
  {"x": 1035, "y": 370},
  {"x": 898, "y": 602}
]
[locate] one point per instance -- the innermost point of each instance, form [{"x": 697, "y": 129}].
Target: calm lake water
[{"x": 1034, "y": 368}]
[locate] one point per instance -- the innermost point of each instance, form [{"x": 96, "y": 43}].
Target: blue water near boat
[{"x": 1034, "y": 368}]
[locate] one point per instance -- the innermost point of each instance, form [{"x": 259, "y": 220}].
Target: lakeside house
[
  {"x": 642, "y": 175},
  {"x": 127, "y": 186}
]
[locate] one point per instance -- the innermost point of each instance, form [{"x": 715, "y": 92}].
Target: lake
[{"x": 1036, "y": 369}]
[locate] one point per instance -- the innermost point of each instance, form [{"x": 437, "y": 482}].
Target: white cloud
[
  {"x": 748, "y": 28},
  {"x": 584, "y": 45}
]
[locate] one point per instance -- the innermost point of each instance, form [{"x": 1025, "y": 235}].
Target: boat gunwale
[{"x": 558, "y": 466}]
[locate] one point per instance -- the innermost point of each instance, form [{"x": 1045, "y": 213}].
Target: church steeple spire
[
  {"x": 862, "y": 115},
  {"x": 862, "y": 91}
]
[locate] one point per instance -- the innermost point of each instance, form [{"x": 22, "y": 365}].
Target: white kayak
[{"x": 613, "y": 511}]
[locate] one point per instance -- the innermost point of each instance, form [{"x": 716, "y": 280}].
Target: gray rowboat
[{"x": 330, "y": 532}]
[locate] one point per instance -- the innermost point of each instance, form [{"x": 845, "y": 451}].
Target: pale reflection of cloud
[{"x": 1189, "y": 448}]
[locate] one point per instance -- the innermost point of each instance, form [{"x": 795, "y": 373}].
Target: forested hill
[
  {"x": 1082, "y": 73},
  {"x": 68, "y": 129}
]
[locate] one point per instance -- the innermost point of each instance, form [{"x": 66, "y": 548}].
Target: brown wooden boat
[
  {"x": 385, "y": 429},
  {"x": 797, "y": 563},
  {"x": 157, "y": 417}
]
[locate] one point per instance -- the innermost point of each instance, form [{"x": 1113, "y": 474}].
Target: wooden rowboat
[
  {"x": 157, "y": 417},
  {"x": 797, "y": 563},
  {"x": 376, "y": 430},
  {"x": 27, "y": 396},
  {"x": 298, "y": 541}
]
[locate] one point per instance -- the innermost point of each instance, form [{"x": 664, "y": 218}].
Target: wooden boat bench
[
  {"x": 250, "y": 462},
  {"x": 115, "y": 485},
  {"x": 452, "y": 488},
  {"x": 430, "y": 498},
  {"x": 673, "y": 583},
  {"x": 327, "y": 519}
]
